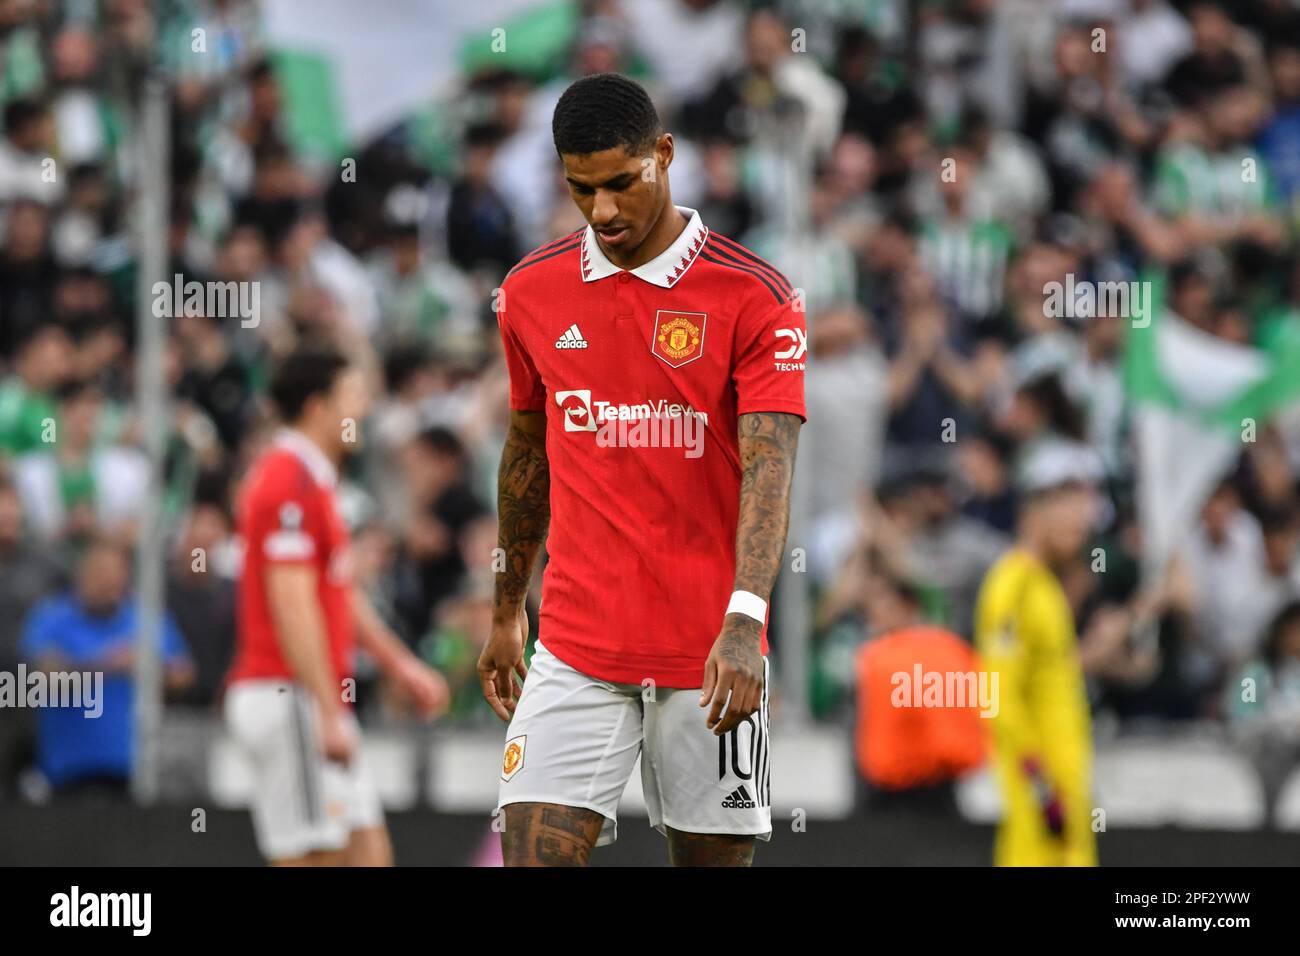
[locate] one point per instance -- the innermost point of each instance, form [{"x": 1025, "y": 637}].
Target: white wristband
[{"x": 750, "y": 605}]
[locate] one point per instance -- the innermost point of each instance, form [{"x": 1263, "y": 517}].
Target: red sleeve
[
  {"x": 768, "y": 364},
  {"x": 283, "y": 517},
  {"x": 527, "y": 393}
]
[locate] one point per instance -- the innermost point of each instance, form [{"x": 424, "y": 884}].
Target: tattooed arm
[
  {"x": 767, "y": 448},
  {"x": 523, "y": 515}
]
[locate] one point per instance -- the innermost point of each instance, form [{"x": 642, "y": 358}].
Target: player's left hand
[
  {"x": 734, "y": 670},
  {"x": 426, "y": 686}
]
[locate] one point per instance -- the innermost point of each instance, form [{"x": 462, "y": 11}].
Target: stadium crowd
[{"x": 813, "y": 131}]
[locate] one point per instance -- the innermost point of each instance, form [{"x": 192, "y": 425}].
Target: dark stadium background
[{"x": 377, "y": 167}]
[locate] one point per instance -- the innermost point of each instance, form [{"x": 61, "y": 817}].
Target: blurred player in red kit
[
  {"x": 656, "y": 394},
  {"x": 299, "y": 619}
]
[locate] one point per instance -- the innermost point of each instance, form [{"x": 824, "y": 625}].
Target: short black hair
[
  {"x": 34, "y": 336},
  {"x": 442, "y": 441},
  {"x": 1061, "y": 410},
  {"x": 260, "y": 70},
  {"x": 19, "y": 113},
  {"x": 1287, "y": 617},
  {"x": 1279, "y": 517},
  {"x": 1184, "y": 272},
  {"x": 907, "y": 591},
  {"x": 403, "y": 362},
  {"x": 479, "y": 135},
  {"x": 604, "y": 111},
  {"x": 75, "y": 389},
  {"x": 212, "y": 489},
  {"x": 308, "y": 370},
  {"x": 1003, "y": 447}
]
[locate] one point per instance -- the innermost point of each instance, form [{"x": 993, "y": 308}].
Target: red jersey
[
  {"x": 288, "y": 515},
  {"x": 643, "y": 375}
]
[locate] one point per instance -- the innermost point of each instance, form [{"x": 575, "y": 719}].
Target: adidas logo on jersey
[
  {"x": 738, "y": 799},
  {"x": 571, "y": 339}
]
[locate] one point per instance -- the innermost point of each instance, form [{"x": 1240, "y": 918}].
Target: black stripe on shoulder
[
  {"x": 548, "y": 246},
  {"x": 776, "y": 294},
  {"x": 576, "y": 234},
  {"x": 736, "y": 251},
  {"x": 543, "y": 257}
]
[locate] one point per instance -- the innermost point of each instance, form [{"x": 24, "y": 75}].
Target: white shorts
[
  {"x": 301, "y": 801},
  {"x": 574, "y": 740}
]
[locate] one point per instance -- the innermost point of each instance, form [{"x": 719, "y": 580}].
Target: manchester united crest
[
  {"x": 678, "y": 336},
  {"x": 513, "y": 758}
]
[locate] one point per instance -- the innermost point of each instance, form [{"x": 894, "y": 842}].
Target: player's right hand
[
  {"x": 501, "y": 660},
  {"x": 338, "y": 737}
]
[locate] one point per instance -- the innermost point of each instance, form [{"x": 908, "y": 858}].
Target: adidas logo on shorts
[
  {"x": 571, "y": 339},
  {"x": 738, "y": 799}
]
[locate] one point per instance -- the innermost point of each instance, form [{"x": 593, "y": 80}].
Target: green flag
[{"x": 1197, "y": 400}]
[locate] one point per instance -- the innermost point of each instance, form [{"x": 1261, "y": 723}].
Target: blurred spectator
[
  {"x": 819, "y": 253},
  {"x": 29, "y": 572},
  {"x": 725, "y": 205},
  {"x": 28, "y": 414},
  {"x": 1279, "y": 140},
  {"x": 249, "y": 155},
  {"x": 776, "y": 93},
  {"x": 1263, "y": 702},
  {"x": 931, "y": 383},
  {"x": 912, "y": 738},
  {"x": 1010, "y": 178},
  {"x": 1211, "y": 181},
  {"x": 988, "y": 494},
  {"x": 453, "y": 647},
  {"x": 936, "y": 544},
  {"x": 1227, "y": 561},
  {"x": 877, "y": 98},
  {"x": 442, "y": 505},
  {"x": 201, "y": 600},
  {"x": 89, "y": 213},
  {"x": 1219, "y": 57},
  {"x": 424, "y": 301},
  {"x": 93, "y": 630},
  {"x": 86, "y": 124},
  {"x": 843, "y": 441},
  {"x": 214, "y": 378},
  {"x": 480, "y": 228},
  {"x": 77, "y": 488},
  {"x": 28, "y": 272},
  {"x": 965, "y": 239},
  {"x": 27, "y": 166}
]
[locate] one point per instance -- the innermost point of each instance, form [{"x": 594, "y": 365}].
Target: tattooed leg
[
  {"x": 709, "y": 849},
  {"x": 549, "y": 834}
]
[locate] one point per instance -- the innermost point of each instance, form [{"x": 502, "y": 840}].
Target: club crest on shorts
[
  {"x": 512, "y": 761},
  {"x": 678, "y": 336}
]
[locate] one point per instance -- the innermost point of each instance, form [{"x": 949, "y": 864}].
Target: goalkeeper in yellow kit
[{"x": 1024, "y": 631}]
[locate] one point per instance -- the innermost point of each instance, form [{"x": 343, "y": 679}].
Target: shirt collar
[
  {"x": 321, "y": 468},
  {"x": 664, "y": 270}
]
